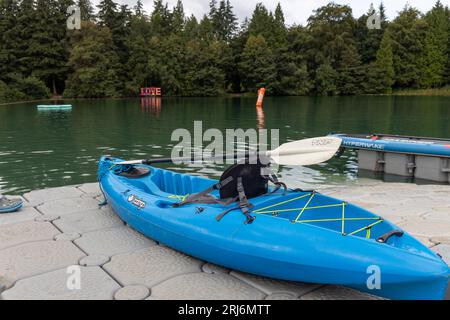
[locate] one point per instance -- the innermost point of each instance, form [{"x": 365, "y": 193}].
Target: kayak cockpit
[{"x": 169, "y": 184}]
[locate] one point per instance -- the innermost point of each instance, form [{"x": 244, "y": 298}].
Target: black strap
[
  {"x": 244, "y": 204},
  {"x": 278, "y": 184},
  {"x": 205, "y": 197}
]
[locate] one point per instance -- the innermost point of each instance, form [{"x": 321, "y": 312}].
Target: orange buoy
[{"x": 260, "y": 100}]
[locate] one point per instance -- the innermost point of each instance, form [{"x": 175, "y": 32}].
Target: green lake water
[{"x": 41, "y": 149}]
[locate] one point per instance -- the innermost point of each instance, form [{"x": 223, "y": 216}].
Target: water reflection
[
  {"x": 49, "y": 149},
  {"x": 151, "y": 105},
  {"x": 260, "y": 117}
]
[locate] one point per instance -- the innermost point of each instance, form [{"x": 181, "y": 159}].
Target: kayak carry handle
[{"x": 389, "y": 234}]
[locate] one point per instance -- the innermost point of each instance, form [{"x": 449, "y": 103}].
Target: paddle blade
[{"x": 306, "y": 152}]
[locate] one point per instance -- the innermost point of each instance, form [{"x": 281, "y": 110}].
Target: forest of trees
[{"x": 120, "y": 49}]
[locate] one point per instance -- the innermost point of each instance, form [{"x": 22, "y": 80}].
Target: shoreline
[{"x": 438, "y": 92}]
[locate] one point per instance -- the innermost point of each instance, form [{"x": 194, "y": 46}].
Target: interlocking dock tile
[
  {"x": 24, "y": 214},
  {"x": 40, "y": 196},
  {"x": 214, "y": 268},
  {"x": 93, "y": 260},
  {"x": 67, "y": 236},
  {"x": 113, "y": 241},
  {"x": 201, "y": 286},
  {"x": 91, "y": 220},
  {"x": 440, "y": 239},
  {"x": 21, "y": 232},
  {"x": 272, "y": 286},
  {"x": 330, "y": 292},
  {"x": 91, "y": 189},
  {"x": 150, "y": 266},
  {"x": 426, "y": 227},
  {"x": 396, "y": 213},
  {"x": 95, "y": 284},
  {"x": 67, "y": 206},
  {"x": 438, "y": 213},
  {"x": 281, "y": 296},
  {"x": 444, "y": 251},
  {"x": 34, "y": 258},
  {"x": 136, "y": 292}
]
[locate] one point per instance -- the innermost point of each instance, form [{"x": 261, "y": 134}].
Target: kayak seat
[{"x": 174, "y": 183}]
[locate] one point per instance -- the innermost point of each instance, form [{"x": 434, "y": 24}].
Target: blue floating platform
[
  {"x": 54, "y": 107},
  {"x": 398, "y": 144}
]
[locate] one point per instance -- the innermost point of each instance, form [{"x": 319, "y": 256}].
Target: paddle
[{"x": 300, "y": 153}]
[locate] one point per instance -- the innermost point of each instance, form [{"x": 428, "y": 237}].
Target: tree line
[{"x": 120, "y": 49}]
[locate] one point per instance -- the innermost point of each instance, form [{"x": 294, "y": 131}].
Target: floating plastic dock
[
  {"x": 410, "y": 156},
  {"x": 54, "y": 107}
]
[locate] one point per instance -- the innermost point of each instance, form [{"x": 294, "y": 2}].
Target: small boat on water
[
  {"x": 297, "y": 235},
  {"x": 54, "y": 107},
  {"x": 397, "y": 144}
]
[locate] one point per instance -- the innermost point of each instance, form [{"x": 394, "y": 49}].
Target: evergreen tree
[
  {"x": 222, "y": 19},
  {"x": 407, "y": 33},
  {"x": 178, "y": 17},
  {"x": 191, "y": 29},
  {"x": 384, "y": 71},
  {"x": 47, "y": 43},
  {"x": 86, "y": 10},
  {"x": 279, "y": 28},
  {"x": 326, "y": 79},
  {"x": 205, "y": 29},
  {"x": 434, "y": 57},
  {"x": 139, "y": 9},
  {"x": 256, "y": 65},
  {"x": 107, "y": 14},
  {"x": 368, "y": 40},
  {"x": 26, "y": 20},
  {"x": 92, "y": 61},
  {"x": 8, "y": 43},
  {"x": 334, "y": 50},
  {"x": 261, "y": 23},
  {"x": 160, "y": 19},
  {"x": 138, "y": 73}
]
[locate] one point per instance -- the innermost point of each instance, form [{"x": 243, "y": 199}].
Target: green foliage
[
  {"x": 120, "y": 50},
  {"x": 368, "y": 40},
  {"x": 383, "y": 69},
  {"x": 408, "y": 33},
  {"x": 8, "y": 94},
  {"x": 86, "y": 10},
  {"x": 326, "y": 80},
  {"x": 20, "y": 89},
  {"x": 92, "y": 62},
  {"x": 32, "y": 88},
  {"x": 256, "y": 65},
  {"x": 434, "y": 57}
]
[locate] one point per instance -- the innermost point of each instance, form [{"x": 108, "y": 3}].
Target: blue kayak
[
  {"x": 397, "y": 144},
  {"x": 295, "y": 235}
]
